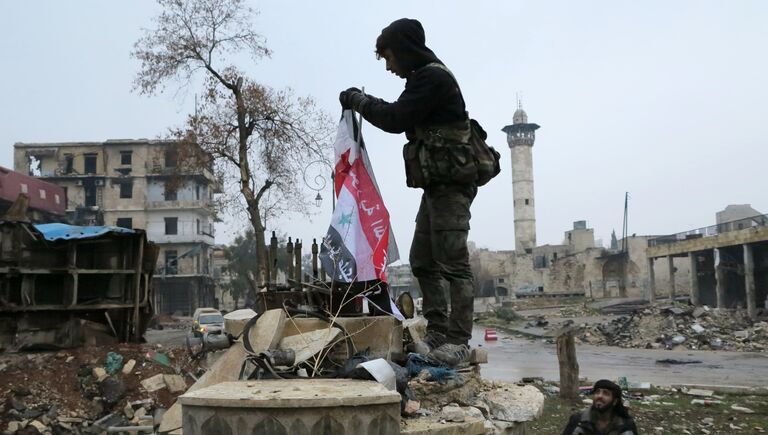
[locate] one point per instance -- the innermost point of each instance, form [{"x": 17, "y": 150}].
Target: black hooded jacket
[{"x": 431, "y": 96}]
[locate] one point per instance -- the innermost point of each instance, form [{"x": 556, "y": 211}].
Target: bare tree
[{"x": 257, "y": 139}]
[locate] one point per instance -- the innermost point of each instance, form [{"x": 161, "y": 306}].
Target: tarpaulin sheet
[{"x": 54, "y": 232}]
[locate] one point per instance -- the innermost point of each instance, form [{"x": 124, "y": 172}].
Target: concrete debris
[
  {"x": 742, "y": 409},
  {"x": 679, "y": 328},
  {"x": 478, "y": 355},
  {"x": 128, "y": 367},
  {"x": 154, "y": 383},
  {"x": 175, "y": 383},
  {"x": 99, "y": 373},
  {"x": 38, "y": 425},
  {"x": 513, "y": 404},
  {"x": 699, "y": 393},
  {"x": 411, "y": 407},
  {"x": 705, "y": 402},
  {"x": 452, "y": 413},
  {"x": 741, "y": 335}
]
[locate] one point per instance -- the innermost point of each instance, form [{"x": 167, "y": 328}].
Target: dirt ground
[
  {"x": 672, "y": 413},
  {"x": 56, "y": 386}
]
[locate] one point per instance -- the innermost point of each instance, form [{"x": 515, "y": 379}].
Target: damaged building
[
  {"x": 578, "y": 266},
  {"x": 728, "y": 261},
  {"x": 63, "y": 286},
  {"x": 139, "y": 184}
]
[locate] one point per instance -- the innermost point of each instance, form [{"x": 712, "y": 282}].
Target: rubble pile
[
  {"x": 699, "y": 328},
  {"x": 89, "y": 389},
  {"x": 497, "y": 407}
]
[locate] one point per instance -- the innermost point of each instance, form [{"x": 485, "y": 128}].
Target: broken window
[
  {"x": 171, "y": 158},
  {"x": 526, "y": 202},
  {"x": 170, "y": 192},
  {"x": 126, "y": 189},
  {"x": 171, "y": 225},
  {"x": 90, "y": 195},
  {"x": 125, "y": 157},
  {"x": 69, "y": 163},
  {"x": 124, "y": 222},
  {"x": 90, "y": 163},
  {"x": 171, "y": 262},
  {"x": 35, "y": 166},
  {"x": 197, "y": 192},
  {"x": 198, "y": 226}
]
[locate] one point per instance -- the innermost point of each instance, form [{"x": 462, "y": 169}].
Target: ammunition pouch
[{"x": 440, "y": 155}]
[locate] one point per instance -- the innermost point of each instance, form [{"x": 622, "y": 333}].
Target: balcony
[
  {"x": 161, "y": 171},
  {"x": 180, "y": 205}
]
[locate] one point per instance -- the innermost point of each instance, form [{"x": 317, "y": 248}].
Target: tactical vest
[
  {"x": 439, "y": 155},
  {"x": 586, "y": 427},
  {"x": 455, "y": 153}
]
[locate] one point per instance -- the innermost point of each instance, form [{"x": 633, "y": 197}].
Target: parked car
[{"x": 207, "y": 320}]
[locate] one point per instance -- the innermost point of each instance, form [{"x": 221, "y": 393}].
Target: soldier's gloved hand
[{"x": 352, "y": 98}]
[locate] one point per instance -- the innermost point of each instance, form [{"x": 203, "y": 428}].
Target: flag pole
[{"x": 360, "y": 122}]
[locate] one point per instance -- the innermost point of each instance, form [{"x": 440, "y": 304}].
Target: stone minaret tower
[{"x": 520, "y": 137}]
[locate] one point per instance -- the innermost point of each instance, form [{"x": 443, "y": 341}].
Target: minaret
[{"x": 520, "y": 137}]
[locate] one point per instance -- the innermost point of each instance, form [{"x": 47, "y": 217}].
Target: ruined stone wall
[{"x": 638, "y": 273}]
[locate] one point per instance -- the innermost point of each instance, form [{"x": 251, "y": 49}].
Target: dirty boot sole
[{"x": 452, "y": 355}]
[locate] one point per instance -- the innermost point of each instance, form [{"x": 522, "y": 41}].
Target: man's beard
[{"x": 602, "y": 408}]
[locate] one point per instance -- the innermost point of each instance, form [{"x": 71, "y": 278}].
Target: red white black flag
[{"x": 359, "y": 244}]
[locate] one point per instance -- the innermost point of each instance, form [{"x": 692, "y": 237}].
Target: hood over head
[{"x": 405, "y": 37}]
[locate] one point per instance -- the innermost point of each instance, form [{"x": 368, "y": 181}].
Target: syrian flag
[{"x": 360, "y": 243}]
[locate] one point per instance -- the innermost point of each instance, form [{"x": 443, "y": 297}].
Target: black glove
[{"x": 352, "y": 98}]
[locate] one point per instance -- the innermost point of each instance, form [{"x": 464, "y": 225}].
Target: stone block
[
  {"x": 99, "y": 373},
  {"x": 175, "y": 383},
  {"x": 310, "y": 343},
  {"x": 452, "y": 413},
  {"x": 478, "y": 356},
  {"x": 154, "y": 383},
  {"x": 268, "y": 332},
  {"x": 382, "y": 334},
  {"x": 295, "y": 406},
  {"x": 513, "y": 403},
  {"x": 128, "y": 367},
  {"x": 236, "y": 320},
  {"x": 434, "y": 426}
]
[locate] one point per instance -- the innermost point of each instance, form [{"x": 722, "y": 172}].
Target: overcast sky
[{"x": 665, "y": 100}]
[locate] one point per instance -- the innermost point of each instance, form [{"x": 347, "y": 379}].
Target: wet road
[{"x": 511, "y": 358}]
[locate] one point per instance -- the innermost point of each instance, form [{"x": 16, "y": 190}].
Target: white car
[{"x": 207, "y": 320}]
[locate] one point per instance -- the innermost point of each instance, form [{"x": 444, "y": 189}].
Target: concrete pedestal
[{"x": 292, "y": 407}]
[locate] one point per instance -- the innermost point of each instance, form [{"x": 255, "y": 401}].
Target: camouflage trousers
[{"x": 439, "y": 256}]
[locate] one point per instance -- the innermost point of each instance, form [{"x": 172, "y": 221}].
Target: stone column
[
  {"x": 671, "y": 264},
  {"x": 651, "y": 282},
  {"x": 695, "y": 295},
  {"x": 720, "y": 280},
  {"x": 749, "y": 280}
]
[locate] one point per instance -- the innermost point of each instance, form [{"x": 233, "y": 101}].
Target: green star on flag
[{"x": 346, "y": 219}]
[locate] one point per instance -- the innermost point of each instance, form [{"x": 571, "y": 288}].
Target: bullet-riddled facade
[{"x": 136, "y": 184}]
